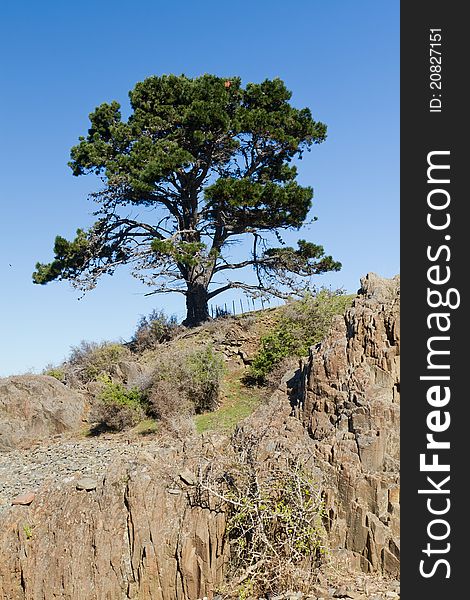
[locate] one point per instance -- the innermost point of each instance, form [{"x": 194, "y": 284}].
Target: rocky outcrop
[
  {"x": 350, "y": 406},
  {"x": 136, "y": 524},
  {"x": 111, "y": 517},
  {"x": 131, "y": 533},
  {"x": 34, "y": 407}
]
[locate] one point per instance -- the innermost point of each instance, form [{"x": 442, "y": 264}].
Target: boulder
[{"x": 34, "y": 407}]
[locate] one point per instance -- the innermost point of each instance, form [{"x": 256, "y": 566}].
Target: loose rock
[
  {"x": 187, "y": 477},
  {"x": 86, "y": 483},
  {"x": 23, "y": 499}
]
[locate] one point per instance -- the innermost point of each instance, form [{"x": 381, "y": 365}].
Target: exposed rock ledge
[
  {"x": 350, "y": 406},
  {"x": 137, "y": 533}
]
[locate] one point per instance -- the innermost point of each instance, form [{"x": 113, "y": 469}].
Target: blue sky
[{"x": 61, "y": 59}]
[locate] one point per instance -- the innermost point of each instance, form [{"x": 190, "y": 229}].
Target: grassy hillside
[{"x": 211, "y": 376}]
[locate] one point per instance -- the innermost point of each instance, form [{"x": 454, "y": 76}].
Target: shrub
[
  {"x": 200, "y": 377},
  {"x": 179, "y": 427},
  {"x": 118, "y": 408},
  {"x": 275, "y": 515},
  {"x": 302, "y": 324},
  {"x": 186, "y": 381},
  {"x": 310, "y": 318},
  {"x": 56, "y": 372},
  {"x": 89, "y": 360},
  {"x": 276, "y": 520},
  {"x": 275, "y": 346},
  {"x": 166, "y": 400},
  {"x": 154, "y": 329}
]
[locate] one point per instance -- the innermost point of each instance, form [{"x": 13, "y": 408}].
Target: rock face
[
  {"x": 143, "y": 528},
  {"x": 133, "y": 535},
  {"x": 34, "y": 407},
  {"x": 113, "y": 519},
  {"x": 350, "y": 406}
]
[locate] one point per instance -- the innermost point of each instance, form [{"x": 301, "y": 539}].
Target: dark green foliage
[
  {"x": 275, "y": 346},
  {"x": 214, "y": 161},
  {"x": 308, "y": 259},
  {"x": 303, "y": 323},
  {"x": 117, "y": 408},
  {"x": 263, "y": 205},
  {"x": 70, "y": 257}
]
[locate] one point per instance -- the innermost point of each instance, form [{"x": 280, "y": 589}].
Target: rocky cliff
[
  {"x": 350, "y": 404},
  {"x": 112, "y": 518},
  {"x": 127, "y": 532}
]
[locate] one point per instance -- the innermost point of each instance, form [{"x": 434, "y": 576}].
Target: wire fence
[{"x": 240, "y": 306}]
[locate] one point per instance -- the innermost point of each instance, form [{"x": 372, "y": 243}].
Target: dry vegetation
[
  {"x": 275, "y": 517},
  {"x": 176, "y": 382},
  {"x": 167, "y": 372}
]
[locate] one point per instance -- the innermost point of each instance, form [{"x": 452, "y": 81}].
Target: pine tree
[{"x": 207, "y": 162}]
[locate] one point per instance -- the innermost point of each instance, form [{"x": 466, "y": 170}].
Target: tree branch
[{"x": 166, "y": 291}]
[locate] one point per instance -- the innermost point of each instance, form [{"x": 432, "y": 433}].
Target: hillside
[{"x": 119, "y": 483}]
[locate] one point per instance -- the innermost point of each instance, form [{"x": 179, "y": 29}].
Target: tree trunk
[{"x": 197, "y": 308}]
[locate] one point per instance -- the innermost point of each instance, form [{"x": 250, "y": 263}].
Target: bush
[
  {"x": 275, "y": 346},
  {"x": 166, "y": 400},
  {"x": 56, "y": 372},
  {"x": 179, "y": 427},
  {"x": 117, "y": 408},
  {"x": 154, "y": 329},
  {"x": 309, "y": 319},
  {"x": 275, "y": 514},
  {"x": 302, "y": 324},
  {"x": 200, "y": 377},
  {"x": 186, "y": 381},
  {"x": 275, "y": 521},
  {"x": 89, "y": 360}
]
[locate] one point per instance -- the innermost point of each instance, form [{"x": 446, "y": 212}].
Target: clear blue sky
[{"x": 61, "y": 59}]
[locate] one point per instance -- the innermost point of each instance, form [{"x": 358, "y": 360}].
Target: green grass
[
  {"x": 146, "y": 427},
  {"x": 238, "y": 402}
]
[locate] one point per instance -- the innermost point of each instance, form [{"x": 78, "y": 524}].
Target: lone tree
[{"x": 198, "y": 164}]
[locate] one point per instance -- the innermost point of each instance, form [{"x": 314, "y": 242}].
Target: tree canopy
[{"x": 199, "y": 163}]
